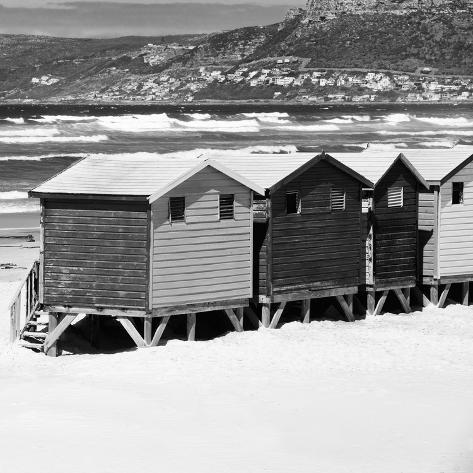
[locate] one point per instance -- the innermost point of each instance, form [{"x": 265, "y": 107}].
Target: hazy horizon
[{"x": 91, "y": 19}]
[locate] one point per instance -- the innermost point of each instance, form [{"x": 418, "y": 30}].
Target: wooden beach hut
[
  {"x": 307, "y": 230},
  {"x": 144, "y": 237},
  {"x": 445, "y": 221},
  {"x": 390, "y": 213}
]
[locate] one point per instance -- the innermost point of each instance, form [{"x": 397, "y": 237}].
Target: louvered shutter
[
  {"x": 177, "y": 209},
  {"x": 227, "y": 205},
  {"x": 395, "y": 196},
  {"x": 337, "y": 199}
]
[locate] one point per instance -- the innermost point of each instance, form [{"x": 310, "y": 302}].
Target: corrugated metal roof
[
  {"x": 265, "y": 170},
  {"x": 134, "y": 175}
]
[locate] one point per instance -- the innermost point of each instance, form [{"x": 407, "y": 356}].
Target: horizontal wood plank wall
[
  {"x": 203, "y": 259},
  {"x": 317, "y": 248},
  {"x": 456, "y": 227},
  {"x": 95, "y": 253},
  {"x": 260, "y": 258},
  {"x": 427, "y": 237},
  {"x": 396, "y": 229}
]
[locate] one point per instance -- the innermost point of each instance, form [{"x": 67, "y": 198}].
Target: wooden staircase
[{"x": 35, "y": 331}]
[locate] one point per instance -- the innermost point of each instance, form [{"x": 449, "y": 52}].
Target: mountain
[{"x": 411, "y": 43}]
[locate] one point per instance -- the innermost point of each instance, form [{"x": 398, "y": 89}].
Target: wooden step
[
  {"x": 36, "y": 323},
  {"x": 35, "y": 334},
  {"x": 33, "y": 346}
]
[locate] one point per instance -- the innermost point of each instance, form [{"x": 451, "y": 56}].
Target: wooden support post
[
  {"x": 402, "y": 299},
  {"x": 346, "y": 308},
  {"x": 251, "y": 314},
  {"x": 148, "y": 330},
  {"x": 191, "y": 321},
  {"x": 306, "y": 311},
  {"x": 239, "y": 313},
  {"x": 371, "y": 302},
  {"x": 131, "y": 330},
  {"x": 407, "y": 295},
  {"x": 422, "y": 297},
  {"x": 55, "y": 330},
  {"x": 277, "y": 315},
  {"x": 234, "y": 320},
  {"x": 266, "y": 315},
  {"x": 434, "y": 294},
  {"x": 444, "y": 295},
  {"x": 380, "y": 304},
  {"x": 349, "y": 299},
  {"x": 159, "y": 331},
  {"x": 466, "y": 292}
]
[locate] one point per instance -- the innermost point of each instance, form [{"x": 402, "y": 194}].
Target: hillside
[{"x": 262, "y": 62}]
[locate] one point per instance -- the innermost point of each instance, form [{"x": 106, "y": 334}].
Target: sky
[{"x": 112, "y": 18}]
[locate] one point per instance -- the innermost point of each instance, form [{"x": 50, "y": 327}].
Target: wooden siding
[
  {"x": 260, "y": 259},
  {"x": 95, "y": 253},
  {"x": 203, "y": 259},
  {"x": 396, "y": 229},
  {"x": 456, "y": 227},
  {"x": 427, "y": 235},
  {"x": 317, "y": 248}
]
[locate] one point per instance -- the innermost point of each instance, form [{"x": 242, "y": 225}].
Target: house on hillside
[
  {"x": 144, "y": 238},
  {"x": 307, "y": 230},
  {"x": 390, "y": 214}
]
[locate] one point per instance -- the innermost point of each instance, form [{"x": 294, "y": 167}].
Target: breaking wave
[
  {"x": 308, "y": 128},
  {"x": 16, "y": 121},
  {"x": 427, "y": 133},
  {"x": 10, "y": 195},
  {"x": 52, "y": 139},
  {"x": 51, "y": 119},
  {"x": 459, "y": 121},
  {"x": 395, "y": 118},
  {"x": 29, "y": 132}
]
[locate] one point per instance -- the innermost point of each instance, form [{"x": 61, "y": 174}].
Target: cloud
[{"x": 101, "y": 19}]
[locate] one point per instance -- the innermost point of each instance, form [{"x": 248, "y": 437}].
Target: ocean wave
[
  {"x": 16, "y": 121},
  {"x": 263, "y": 115},
  {"x": 395, "y": 118},
  {"x": 341, "y": 121},
  {"x": 358, "y": 118},
  {"x": 458, "y": 121},
  {"x": 198, "y": 116},
  {"x": 308, "y": 128},
  {"x": 19, "y": 206},
  {"x": 29, "y": 132},
  {"x": 386, "y": 146},
  {"x": 11, "y": 195},
  {"x": 427, "y": 133},
  {"x": 436, "y": 144},
  {"x": 52, "y": 139},
  {"x": 41, "y": 157},
  {"x": 51, "y": 119}
]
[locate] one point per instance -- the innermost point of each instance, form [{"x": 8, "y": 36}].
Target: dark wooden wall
[
  {"x": 396, "y": 229},
  {"x": 95, "y": 253},
  {"x": 318, "y": 248}
]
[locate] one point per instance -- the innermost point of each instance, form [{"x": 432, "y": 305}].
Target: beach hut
[
  {"x": 144, "y": 237},
  {"x": 445, "y": 220},
  {"x": 307, "y": 230},
  {"x": 390, "y": 213}
]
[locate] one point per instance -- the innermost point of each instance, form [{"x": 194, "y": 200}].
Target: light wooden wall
[
  {"x": 202, "y": 259},
  {"x": 456, "y": 227},
  {"x": 427, "y": 234}
]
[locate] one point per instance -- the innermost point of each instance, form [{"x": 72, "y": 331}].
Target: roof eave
[
  {"x": 78, "y": 196},
  {"x": 456, "y": 169}
]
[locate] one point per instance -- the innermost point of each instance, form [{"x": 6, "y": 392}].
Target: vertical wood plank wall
[
  {"x": 95, "y": 253},
  {"x": 318, "y": 248},
  {"x": 456, "y": 227},
  {"x": 396, "y": 229},
  {"x": 203, "y": 259},
  {"x": 427, "y": 236}
]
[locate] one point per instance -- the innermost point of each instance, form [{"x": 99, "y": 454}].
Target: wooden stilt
[
  {"x": 56, "y": 329},
  {"x": 239, "y": 313},
  {"x": 159, "y": 331},
  {"x": 251, "y": 314},
  {"x": 371, "y": 302},
  {"x": 148, "y": 330},
  {"x": 407, "y": 295},
  {"x": 380, "y": 304},
  {"x": 131, "y": 330},
  {"x": 349, "y": 299},
  {"x": 234, "y": 320},
  {"x": 346, "y": 308},
  {"x": 191, "y": 321},
  {"x": 434, "y": 294},
  {"x": 402, "y": 299},
  {"x": 266, "y": 314},
  {"x": 466, "y": 293},
  {"x": 306, "y": 311},
  {"x": 277, "y": 315},
  {"x": 444, "y": 295},
  {"x": 422, "y": 297}
]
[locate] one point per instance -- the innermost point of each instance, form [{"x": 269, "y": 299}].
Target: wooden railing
[{"x": 25, "y": 302}]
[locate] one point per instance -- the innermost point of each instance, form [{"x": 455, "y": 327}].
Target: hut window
[
  {"x": 457, "y": 193},
  {"x": 395, "y": 196},
  {"x": 337, "y": 199},
  {"x": 177, "y": 209},
  {"x": 293, "y": 203},
  {"x": 227, "y": 206}
]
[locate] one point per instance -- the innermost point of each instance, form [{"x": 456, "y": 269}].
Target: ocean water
[{"x": 37, "y": 142}]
